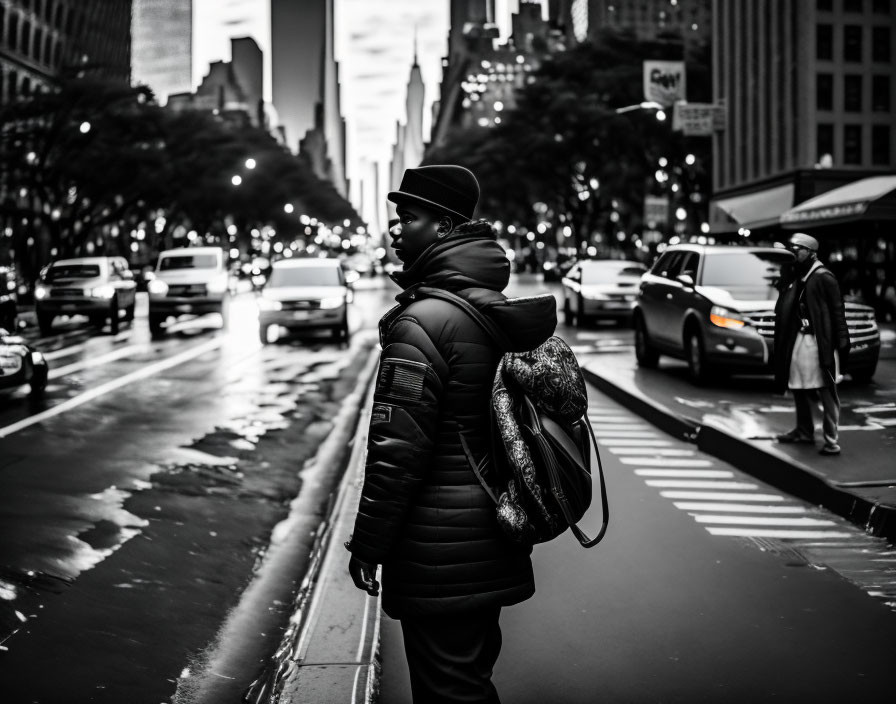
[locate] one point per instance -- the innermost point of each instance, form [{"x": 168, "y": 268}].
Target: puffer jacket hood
[{"x": 472, "y": 264}]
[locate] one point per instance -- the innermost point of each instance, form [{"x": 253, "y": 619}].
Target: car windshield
[
  {"x": 188, "y": 261},
  {"x": 744, "y": 269},
  {"x": 73, "y": 271},
  {"x": 610, "y": 272},
  {"x": 305, "y": 276}
]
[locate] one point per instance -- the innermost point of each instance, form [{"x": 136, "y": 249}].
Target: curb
[
  {"x": 329, "y": 653},
  {"x": 756, "y": 459}
]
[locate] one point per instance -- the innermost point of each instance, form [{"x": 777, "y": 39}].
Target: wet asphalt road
[{"x": 130, "y": 524}]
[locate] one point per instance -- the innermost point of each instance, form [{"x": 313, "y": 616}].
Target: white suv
[{"x": 191, "y": 280}]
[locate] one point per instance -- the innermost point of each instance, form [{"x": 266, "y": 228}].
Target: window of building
[
  {"x": 824, "y": 140},
  {"x": 26, "y": 86},
  {"x": 27, "y": 38},
  {"x": 824, "y": 91},
  {"x": 880, "y": 93},
  {"x": 881, "y": 7},
  {"x": 852, "y": 144},
  {"x": 2, "y": 21},
  {"x": 824, "y": 42},
  {"x": 880, "y": 145},
  {"x": 880, "y": 44},
  {"x": 14, "y": 32},
  {"x": 852, "y": 42},
  {"x": 57, "y": 19},
  {"x": 824, "y": 5},
  {"x": 852, "y": 93},
  {"x": 853, "y": 6}
]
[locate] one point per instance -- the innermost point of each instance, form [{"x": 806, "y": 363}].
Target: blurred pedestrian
[
  {"x": 811, "y": 344},
  {"x": 447, "y": 569}
]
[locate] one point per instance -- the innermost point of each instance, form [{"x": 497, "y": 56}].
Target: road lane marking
[
  {"x": 761, "y": 520},
  {"x": 64, "y": 352},
  {"x": 774, "y": 533},
  {"x": 665, "y": 462},
  {"x": 735, "y": 508},
  {"x": 696, "y": 484},
  {"x": 112, "y": 385},
  {"x": 658, "y": 452},
  {"x": 686, "y": 473},
  {"x": 636, "y": 442},
  {"x": 94, "y": 361},
  {"x": 720, "y": 496}
]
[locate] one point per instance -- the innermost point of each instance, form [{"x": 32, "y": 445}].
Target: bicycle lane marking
[{"x": 110, "y": 386}]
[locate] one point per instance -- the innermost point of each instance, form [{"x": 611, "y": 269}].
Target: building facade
[
  {"x": 407, "y": 152},
  {"x": 230, "y": 89},
  {"x": 42, "y": 39},
  {"x": 808, "y": 88},
  {"x": 691, "y": 20},
  {"x": 162, "y": 46},
  {"x": 305, "y": 82}
]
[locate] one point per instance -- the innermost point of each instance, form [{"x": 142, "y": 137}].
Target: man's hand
[{"x": 364, "y": 576}]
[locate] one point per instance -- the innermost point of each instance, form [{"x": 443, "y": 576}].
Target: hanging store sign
[
  {"x": 697, "y": 119},
  {"x": 664, "y": 82}
]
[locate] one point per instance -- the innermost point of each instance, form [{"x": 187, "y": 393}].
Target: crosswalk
[{"x": 728, "y": 503}]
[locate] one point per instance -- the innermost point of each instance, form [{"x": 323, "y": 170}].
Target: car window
[
  {"x": 188, "y": 261},
  {"x": 744, "y": 268},
  {"x": 306, "y": 276},
  {"x": 689, "y": 265},
  {"x": 668, "y": 267},
  {"x": 73, "y": 271}
]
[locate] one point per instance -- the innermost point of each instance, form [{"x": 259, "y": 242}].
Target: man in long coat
[
  {"x": 811, "y": 343},
  {"x": 447, "y": 569}
]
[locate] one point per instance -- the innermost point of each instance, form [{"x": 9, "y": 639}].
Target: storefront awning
[
  {"x": 867, "y": 199},
  {"x": 758, "y": 209}
]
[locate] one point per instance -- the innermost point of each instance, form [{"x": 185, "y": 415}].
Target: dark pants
[
  {"x": 805, "y": 399},
  {"x": 451, "y": 658}
]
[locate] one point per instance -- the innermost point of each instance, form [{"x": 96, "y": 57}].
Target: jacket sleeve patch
[
  {"x": 382, "y": 413},
  {"x": 401, "y": 379}
]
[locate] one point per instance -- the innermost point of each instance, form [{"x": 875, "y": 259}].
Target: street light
[{"x": 645, "y": 105}]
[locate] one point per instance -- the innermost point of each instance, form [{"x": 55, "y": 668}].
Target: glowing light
[
  {"x": 690, "y": 160},
  {"x": 661, "y": 115},
  {"x": 288, "y": 208},
  {"x": 85, "y": 127},
  {"x": 236, "y": 180},
  {"x": 681, "y": 214},
  {"x": 251, "y": 163}
]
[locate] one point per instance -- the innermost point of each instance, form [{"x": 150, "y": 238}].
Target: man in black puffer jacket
[{"x": 423, "y": 516}]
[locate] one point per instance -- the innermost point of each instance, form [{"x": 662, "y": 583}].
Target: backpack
[{"x": 538, "y": 471}]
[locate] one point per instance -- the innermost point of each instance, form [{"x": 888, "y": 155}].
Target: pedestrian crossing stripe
[
  {"x": 682, "y": 473},
  {"x": 762, "y": 520},
  {"x": 666, "y": 462},
  {"x": 772, "y": 533},
  {"x": 735, "y": 508},
  {"x": 698, "y": 484}
]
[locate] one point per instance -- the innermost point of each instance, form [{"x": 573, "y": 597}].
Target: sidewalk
[{"x": 345, "y": 647}]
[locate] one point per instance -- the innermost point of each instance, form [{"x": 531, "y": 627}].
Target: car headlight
[
  {"x": 157, "y": 287},
  {"x": 726, "y": 318},
  {"x": 217, "y": 285},
  {"x": 331, "y": 302},
  {"x": 267, "y": 304},
  {"x": 103, "y": 291},
  {"x": 41, "y": 292}
]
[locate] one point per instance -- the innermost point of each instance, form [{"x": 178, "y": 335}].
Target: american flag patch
[{"x": 401, "y": 379}]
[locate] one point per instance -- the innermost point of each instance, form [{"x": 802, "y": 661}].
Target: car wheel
[
  {"x": 580, "y": 313},
  {"x": 697, "y": 366},
  {"x": 114, "y": 321},
  {"x": 45, "y": 323},
  {"x": 568, "y": 318},
  {"x": 263, "y": 333},
  {"x": 646, "y": 355},
  {"x": 38, "y": 382},
  {"x": 155, "y": 325},
  {"x": 864, "y": 375}
]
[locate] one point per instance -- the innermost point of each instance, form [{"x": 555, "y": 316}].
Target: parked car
[
  {"x": 8, "y": 305},
  {"x": 190, "y": 280},
  {"x": 601, "y": 288},
  {"x": 21, "y": 364},
  {"x": 714, "y": 306},
  {"x": 305, "y": 294},
  {"x": 98, "y": 287}
]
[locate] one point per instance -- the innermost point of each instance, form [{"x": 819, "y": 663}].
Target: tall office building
[
  {"x": 407, "y": 152},
  {"x": 162, "y": 46},
  {"x": 41, "y": 40},
  {"x": 305, "y": 80},
  {"x": 649, "y": 19},
  {"x": 809, "y": 91}
]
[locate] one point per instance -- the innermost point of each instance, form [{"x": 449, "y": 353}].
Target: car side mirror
[{"x": 686, "y": 280}]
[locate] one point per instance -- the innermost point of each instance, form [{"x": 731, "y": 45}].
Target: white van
[{"x": 191, "y": 280}]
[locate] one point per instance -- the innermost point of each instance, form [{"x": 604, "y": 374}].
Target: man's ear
[{"x": 444, "y": 227}]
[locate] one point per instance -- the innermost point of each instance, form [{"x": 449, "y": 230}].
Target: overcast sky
[{"x": 374, "y": 45}]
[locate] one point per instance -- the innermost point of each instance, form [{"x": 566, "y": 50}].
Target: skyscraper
[
  {"x": 162, "y": 37},
  {"x": 305, "y": 79},
  {"x": 38, "y": 43}
]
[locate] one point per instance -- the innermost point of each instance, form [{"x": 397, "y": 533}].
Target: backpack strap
[{"x": 493, "y": 330}]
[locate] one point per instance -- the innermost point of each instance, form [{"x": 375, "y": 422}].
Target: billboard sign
[{"x": 664, "y": 82}]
